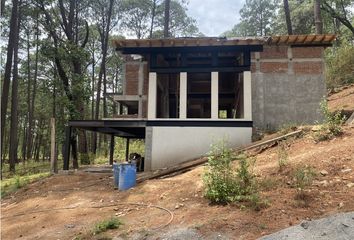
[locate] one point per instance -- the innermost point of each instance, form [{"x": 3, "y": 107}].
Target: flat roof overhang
[
  {"x": 135, "y": 128},
  {"x": 129, "y": 46},
  {"x": 119, "y": 128},
  {"x": 189, "y": 49}
]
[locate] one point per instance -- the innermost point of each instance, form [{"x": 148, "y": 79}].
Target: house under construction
[{"x": 182, "y": 94}]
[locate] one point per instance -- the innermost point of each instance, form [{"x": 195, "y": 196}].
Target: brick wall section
[
  {"x": 131, "y": 78},
  {"x": 307, "y": 67},
  {"x": 276, "y": 67},
  {"x": 273, "y": 52},
  {"x": 307, "y": 52},
  {"x": 275, "y": 59}
]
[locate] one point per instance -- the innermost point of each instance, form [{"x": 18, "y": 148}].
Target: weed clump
[
  {"x": 332, "y": 125},
  {"x": 224, "y": 184},
  {"x": 283, "y": 155},
  {"x": 303, "y": 177},
  {"x": 104, "y": 225}
]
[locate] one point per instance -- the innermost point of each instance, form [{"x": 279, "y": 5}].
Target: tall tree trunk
[
  {"x": 24, "y": 143},
  {"x": 31, "y": 104},
  {"x": 153, "y": 13},
  {"x": 54, "y": 108},
  {"x": 115, "y": 89},
  {"x": 38, "y": 146},
  {"x": 287, "y": 17},
  {"x": 2, "y": 8},
  {"x": 14, "y": 101},
  {"x": 93, "y": 135},
  {"x": 23, "y": 151},
  {"x": 93, "y": 87},
  {"x": 8, "y": 67},
  {"x": 104, "y": 35},
  {"x": 166, "y": 27},
  {"x": 318, "y": 17},
  {"x": 74, "y": 151},
  {"x": 80, "y": 107}
]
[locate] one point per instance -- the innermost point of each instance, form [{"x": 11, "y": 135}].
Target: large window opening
[
  {"x": 198, "y": 95},
  {"x": 230, "y": 95},
  {"x": 167, "y": 96}
]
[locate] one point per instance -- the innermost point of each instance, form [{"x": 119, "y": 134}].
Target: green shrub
[
  {"x": 332, "y": 125},
  {"x": 340, "y": 65},
  {"x": 104, "y": 225},
  {"x": 222, "y": 183},
  {"x": 86, "y": 158}
]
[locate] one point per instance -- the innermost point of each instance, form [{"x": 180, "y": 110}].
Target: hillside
[{"x": 69, "y": 206}]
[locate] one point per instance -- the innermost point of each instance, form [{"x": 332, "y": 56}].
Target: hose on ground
[{"x": 101, "y": 206}]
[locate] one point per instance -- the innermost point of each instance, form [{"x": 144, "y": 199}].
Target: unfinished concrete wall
[
  {"x": 287, "y": 86},
  {"x": 169, "y": 146}
]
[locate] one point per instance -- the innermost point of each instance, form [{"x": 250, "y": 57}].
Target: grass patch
[
  {"x": 268, "y": 184},
  {"x": 103, "y": 226},
  {"x": 16, "y": 182},
  {"x": 29, "y": 167}
]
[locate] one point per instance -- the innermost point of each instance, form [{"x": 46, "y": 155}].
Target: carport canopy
[{"x": 129, "y": 129}]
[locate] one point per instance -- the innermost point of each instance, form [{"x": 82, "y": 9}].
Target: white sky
[{"x": 214, "y": 17}]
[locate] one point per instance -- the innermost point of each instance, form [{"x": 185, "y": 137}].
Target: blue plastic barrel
[
  {"x": 116, "y": 174},
  {"x": 127, "y": 176}
]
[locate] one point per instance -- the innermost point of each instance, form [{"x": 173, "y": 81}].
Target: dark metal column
[
  {"x": 127, "y": 150},
  {"x": 111, "y": 150},
  {"x": 67, "y": 147}
]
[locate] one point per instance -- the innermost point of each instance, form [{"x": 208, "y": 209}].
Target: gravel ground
[{"x": 339, "y": 227}]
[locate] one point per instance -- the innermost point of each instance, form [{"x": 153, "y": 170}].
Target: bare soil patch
[
  {"x": 68, "y": 206},
  {"x": 343, "y": 100}
]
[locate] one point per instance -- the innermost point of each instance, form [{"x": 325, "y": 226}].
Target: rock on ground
[{"x": 339, "y": 227}]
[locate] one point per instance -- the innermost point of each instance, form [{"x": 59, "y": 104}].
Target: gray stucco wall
[
  {"x": 280, "y": 99},
  {"x": 169, "y": 146}
]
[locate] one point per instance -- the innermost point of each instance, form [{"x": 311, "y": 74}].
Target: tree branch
[{"x": 86, "y": 35}]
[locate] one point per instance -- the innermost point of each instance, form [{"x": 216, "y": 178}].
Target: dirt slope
[
  {"x": 342, "y": 100},
  {"x": 35, "y": 212}
]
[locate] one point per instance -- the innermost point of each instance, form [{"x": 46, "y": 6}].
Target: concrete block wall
[{"x": 287, "y": 86}]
